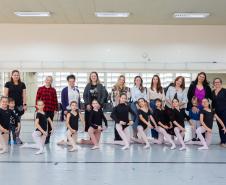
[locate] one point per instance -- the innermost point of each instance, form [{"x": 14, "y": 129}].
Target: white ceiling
[{"x": 158, "y": 12}]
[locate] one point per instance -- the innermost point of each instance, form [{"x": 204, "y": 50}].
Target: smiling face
[
  {"x": 179, "y": 82},
  {"x": 11, "y": 104},
  {"x": 205, "y": 103},
  {"x": 123, "y": 99},
  {"x": 93, "y": 77},
  {"x": 40, "y": 105},
  {"x": 201, "y": 78},
  {"x": 73, "y": 106},
  {"x": 158, "y": 104},
  {"x": 138, "y": 81},
  {"x": 141, "y": 103},
  {"x": 48, "y": 81},
  {"x": 121, "y": 81},
  {"x": 95, "y": 104},
  {"x": 217, "y": 83},
  {"x": 4, "y": 103},
  {"x": 15, "y": 76},
  {"x": 155, "y": 80},
  {"x": 71, "y": 82},
  {"x": 175, "y": 103}
]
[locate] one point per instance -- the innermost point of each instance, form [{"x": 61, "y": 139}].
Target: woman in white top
[
  {"x": 137, "y": 92},
  {"x": 177, "y": 90},
  {"x": 155, "y": 92}
]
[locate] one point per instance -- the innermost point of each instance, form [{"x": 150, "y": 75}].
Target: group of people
[{"x": 150, "y": 111}]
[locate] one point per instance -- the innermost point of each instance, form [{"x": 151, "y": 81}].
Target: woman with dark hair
[
  {"x": 137, "y": 92},
  {"x": 155, "y": 92},
  {"x": 69, "y": 94},
  {"x": 16, "y": 90},
  {"x": 177, "y": 90},
  {"x": 93, "y": 90},
  {"x": 199, "y": 88},
  {"x": 219, "y": 104}
]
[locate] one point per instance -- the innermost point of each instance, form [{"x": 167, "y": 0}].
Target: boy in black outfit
[{"x": 14, "y": 125}]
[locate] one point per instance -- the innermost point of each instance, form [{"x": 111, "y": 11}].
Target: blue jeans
[
  {"x": 134, "y": 117},
  {"x": 154, "y": 133}
]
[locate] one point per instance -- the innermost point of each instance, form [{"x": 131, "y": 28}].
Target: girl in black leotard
[
  {"x": 72, "y": 122},
  {"x": 120, "y": 115},
  {"x": 144, "y": 116},
  {"x": 177, "y": 118},
  {"x": 40, "y": 133},
  {"x": 206, "y": 120},
  {"x": 95, "y": 123},
  {"x": 164, "y": 126}
]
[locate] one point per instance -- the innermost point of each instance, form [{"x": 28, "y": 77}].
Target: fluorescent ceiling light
[
  {"x": 112, "y": 14},
  {"x": 190, "y": 15},
  {"x": 32, "y": 14}
]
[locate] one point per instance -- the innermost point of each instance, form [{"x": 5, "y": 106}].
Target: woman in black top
[
  {"x": 40, "y": 133},
  {"x": 219, "y": 105},
  {"x": 93, "y": 90},
  {"x": 177, "y": 117},
  {"x": 199, "y": 88},
  {"x": 5, "y": 116},
  {"x": 120, "y": 115},
  {"x": 206, "y": 120},
  {"x": 72, "y": 126},
  {"x": 95, "y": 122},
  {"x": 164, "y": 128},
  {"x": 16, "y": 90}
]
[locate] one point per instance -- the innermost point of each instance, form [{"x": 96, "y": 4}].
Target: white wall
[{"x": 115, "y": 47}]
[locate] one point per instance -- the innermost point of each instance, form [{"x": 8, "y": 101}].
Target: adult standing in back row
[
  {"x": 16, "y": 90},
  {"x": 94, "y": 90},
  {"x": 219, "y": 104},
  {"x": 200, "y": 89},
  {"x": 48, "y": 95}
]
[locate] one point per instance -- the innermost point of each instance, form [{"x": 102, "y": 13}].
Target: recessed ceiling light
[
  {"x": 32, "y": 14},
  {"x": 190, "y": 15},
  {"x": 112, "y": 14}
]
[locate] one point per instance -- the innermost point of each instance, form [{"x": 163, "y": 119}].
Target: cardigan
[
  {"x": 64, "y": 98},
  {"x": 191, "y": 93}
]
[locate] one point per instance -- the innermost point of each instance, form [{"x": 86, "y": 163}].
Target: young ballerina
[
  {"x": 72, "y": 126},
  {"x": 177, "y": 117},
  {"x": 144, "y": 115},
  {"x": 206, "y": 119},
  {"x": 194, "y": 114},
  {"x": 40, "y": 133},
  {"x": 5, "y": 116},
  {"x": 120, "y": 115},
  {"x": 95, "y": 122},
  {"x": 164, "y": 127}
]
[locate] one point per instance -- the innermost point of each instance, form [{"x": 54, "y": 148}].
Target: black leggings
[{"x": 51, "y": 116}]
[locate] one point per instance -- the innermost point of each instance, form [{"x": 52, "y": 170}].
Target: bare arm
[
  {"x": 6, "y": 91},
  {"x": 144, "y": 121},
  {"x": 3, "y": 129},
  {"x": 203, "y": 123},
  {"x": 220, "y": 121}
]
